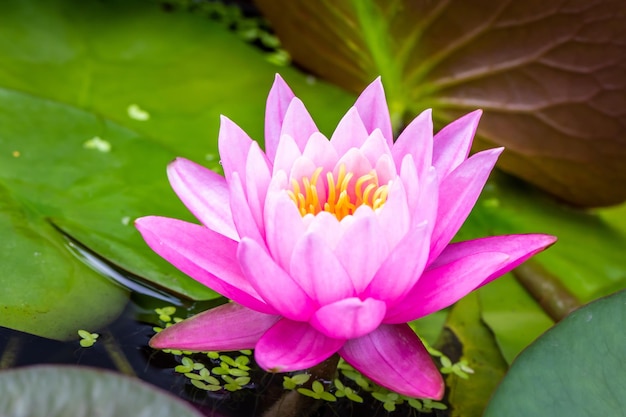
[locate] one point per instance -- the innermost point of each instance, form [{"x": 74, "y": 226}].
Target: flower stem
[
  {"x": 294, "y": 404},
  {"x": 10, "y": 353},
  {"x": 117, "y": 355},
  {"x": 555, "y": 299}
]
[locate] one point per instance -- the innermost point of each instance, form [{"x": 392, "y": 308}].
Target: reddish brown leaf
[{"x": 550, "y": 75}]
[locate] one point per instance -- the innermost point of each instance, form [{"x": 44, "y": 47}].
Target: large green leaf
[
  {"x": 549, "y": 75},
  {"x": 64, "y": 391},
  {"x": 575, "y": 369},
  {"x": 74, "y": 155}
]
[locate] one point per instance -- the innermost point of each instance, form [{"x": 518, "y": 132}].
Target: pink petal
[
  {"x": 443, "y": 286},
  {"x": 257, "y": 180},
  {"x": 213, "y": 330},
  {"x": 319, "y": 150},
  {"x": 205, "y": 194},
  {"x": 394, "y": 357},
  {"x": 452, "y": 144},
  {"x": 402, "y": 268},
  {"x": 394, "y": 215},
  {"x": 302, "y": 167},
  {"x": 283, "y": 227},
  {"x": 204, "y": 255},
  {"x": 458, "y": 193},
  {"x": 276, "y": 287},
  {"x": 350, "y": 132},
  {"x": 242, "y": 215},
  {"x": 386, "y": 169},
  {"x": 355, "y": 162},
  {"x": 373, "y": 110},
  {"x": 298, "y": 123},
  {"x": 327, "y": 227},
  {"x": 518, "y": 247},
  {"x": 375, "y": 147},
  {"x": 416, "y": 140},
  {"x": 286, "y": 153},
  {"x": 463, "y": 267},
  {"x": 292, "y": 346},
  {"x": 233, "y": 144},
  {"x": 315, "y": 267},
  {"x": 349, "y": 318},
  {"x": 427, "y": 204},
  {"x": 361, "y": 250},
  {"x": 277, "y": 103}
]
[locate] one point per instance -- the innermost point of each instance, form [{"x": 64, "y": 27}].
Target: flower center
[{"x": 340, "y": 196}]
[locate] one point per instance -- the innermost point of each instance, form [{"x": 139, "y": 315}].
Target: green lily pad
[
  {"x": 466, "y": 336},
  {"x": 548, "y": 78},
  {"x": 63, "y": 391},
  {"x": 575, "y": 369},
  {"x": 96, "y": 98},
  {"x": 513, "y": 316}
]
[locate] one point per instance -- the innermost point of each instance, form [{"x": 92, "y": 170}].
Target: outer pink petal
[
  {"x": 298, "y": 123},
  {"x": 350, "y": 132},
  {"x": 206, "y": 256},
  {"x": 214, "y": 330},
  {"x": 463, "y": 267},
  {"x": 318, "y": 271},
  {"x": 518, "y": 247},
  {"x": 361, "y": 250},
  {"x": 276, "y": 287},
  {"x": 277, "y": 103},
  {"x": 257, "y": 180},
  {"x": 291, "y": 346},
  {"x": 394, "y": 357},
  {"x": 458, "y": 194},
  {"x": 452, "y": 144},
  {"x": 402, "y": 268},
  {"x": 416, "y": 140},
  {"x": 242, "y": 215},
  {"x": 205, "y": 194},
  {"x": 233, "y": 144},
  {"x": 349, "y": 318},
  {"x": 441, "y": 287},
  {"x": 373, "y": 109}
]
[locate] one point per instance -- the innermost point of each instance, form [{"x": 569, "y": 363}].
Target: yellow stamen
[{"x": 344, "y": 196}]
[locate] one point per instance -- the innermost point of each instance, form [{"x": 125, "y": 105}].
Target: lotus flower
[{"x": 332, "y": 246}]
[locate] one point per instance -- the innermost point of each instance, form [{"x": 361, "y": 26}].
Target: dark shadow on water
[{"x": 123, "y": 346}]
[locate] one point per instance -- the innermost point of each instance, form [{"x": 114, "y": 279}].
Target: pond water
[{"x": 123, "y": 346}]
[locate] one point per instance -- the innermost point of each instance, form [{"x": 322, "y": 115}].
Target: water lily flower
[{"x": 332, "y": 246}]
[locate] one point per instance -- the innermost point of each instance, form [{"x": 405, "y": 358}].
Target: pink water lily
[{"x": 332, "y": 246}]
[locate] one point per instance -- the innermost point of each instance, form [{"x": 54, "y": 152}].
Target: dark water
[{"x": 123, "y": 347}]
